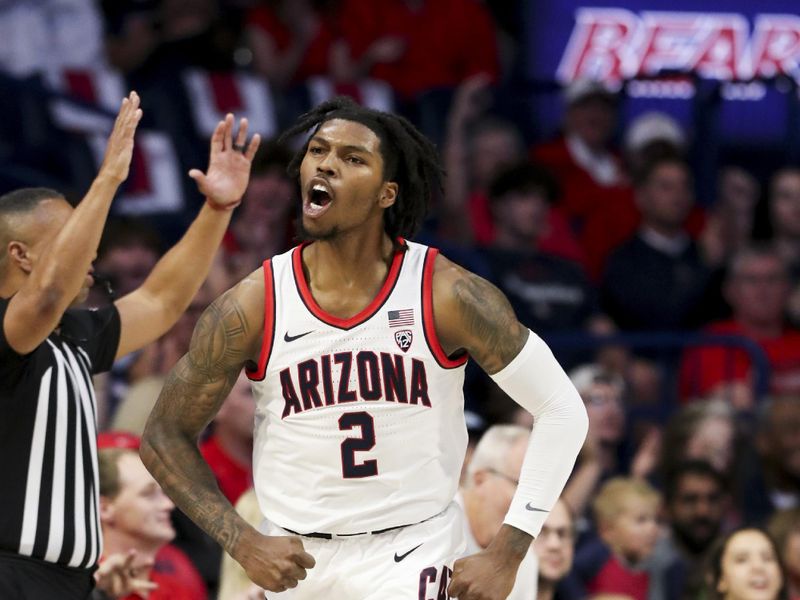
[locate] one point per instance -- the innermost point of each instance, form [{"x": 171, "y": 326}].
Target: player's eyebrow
[{"x": 347, "y": 148}]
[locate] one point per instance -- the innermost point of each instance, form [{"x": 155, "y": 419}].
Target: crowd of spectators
[{"x": 676, "y": 315}]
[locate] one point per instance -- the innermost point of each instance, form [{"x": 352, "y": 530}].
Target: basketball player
[
  {"x": 50, "y": 538},
  {"x": 356, "y": 342}
]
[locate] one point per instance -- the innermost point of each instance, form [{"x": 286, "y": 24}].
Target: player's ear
[
  {"x": 18, "y": 254},
  {"x": 388, "y": 194}
]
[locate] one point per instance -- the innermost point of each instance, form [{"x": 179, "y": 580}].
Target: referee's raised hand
[{"x": 119, "y": 149}]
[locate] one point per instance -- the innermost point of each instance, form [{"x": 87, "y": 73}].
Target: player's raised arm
[
  {"x": 473, "y": 315},
  {"x": 58, "y": 273},
  {"x": 226, "y": 338}
]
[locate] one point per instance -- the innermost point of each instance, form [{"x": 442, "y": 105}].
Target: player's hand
[
  {"x": 275, "y": 563},
  {"x": 487, "y": 575},
  {"x": 121, "y": 575},
  {"x": 225, "y": 181},
  {"x": 119, "y": 149}
]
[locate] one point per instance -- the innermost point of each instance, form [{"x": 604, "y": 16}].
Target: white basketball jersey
[{"x": 359, "y": 422}]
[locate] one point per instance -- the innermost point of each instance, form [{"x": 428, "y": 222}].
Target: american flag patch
[{"x": 401, "y": 318}]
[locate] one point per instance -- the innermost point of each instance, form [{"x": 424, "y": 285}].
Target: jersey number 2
[{"x": 368, "y": 468}]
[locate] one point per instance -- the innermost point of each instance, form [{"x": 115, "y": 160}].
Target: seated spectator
[
  {"x": 784, "y": 213},
  {"x": 191, "y": 32},
  {"x": 477, "y": 147},
  {"x": 152, "y": 364},
  {"x": 626, "y": 513},
  {"x": 555, "y": 548},
  {"x": 395, "y": 40},
  {"x": 784, "y": 528},
  {"x": 290, "y": 40},
  {"x": 600, "y": 457},
  {"x": 649, "y": 135},
  {"x": 262, "y": 228},
  {"x": 128, "y": 251},
  {"x": 135, "y": 515},
  {"x": 772, "y": 476},
  {"x": 547, "y": 292},
  {"x": 696, "y": 504},
  {"x": 127, "y": 254},
  {"x": 229, "y": 448},
  {"x": 730, "y": 221},
  {"x": 757, "y": 289},
  {"x": 701, "y": 431},
  {"x": 131, "y": 33},
  {"x": 591, "y": 176},
  {"x": 745, "y": 565},
  {"x": 492, "y": 478},
  {"x": 657, "y": 280}
]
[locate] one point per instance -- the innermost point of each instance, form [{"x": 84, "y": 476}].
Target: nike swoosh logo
[
  {"x": 534, "y": 509},
  {"x": 291, "y": 338},
  {"x": 399, "y": 557}
]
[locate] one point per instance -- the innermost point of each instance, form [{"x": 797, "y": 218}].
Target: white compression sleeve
[{"x": 536, "y": 381}]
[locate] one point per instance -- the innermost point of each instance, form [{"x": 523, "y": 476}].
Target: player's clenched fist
[
  {"x": 275, "y": 563},
  {"x": 486, "y": 575}
]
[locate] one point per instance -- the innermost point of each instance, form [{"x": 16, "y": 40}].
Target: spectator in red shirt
[
  {"x": 414, "y": 45},
  {"x": 229, "y": 450},
  {"x": 591, "y": 175},
  {"x": 477, "y": 148},
  {"x": 290, "y": 39},
  {"x": 757, "y": 289},
  {"x": 135, "y": 515}
]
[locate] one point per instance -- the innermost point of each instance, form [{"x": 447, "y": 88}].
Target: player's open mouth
[{"x": 317, "y": 200}]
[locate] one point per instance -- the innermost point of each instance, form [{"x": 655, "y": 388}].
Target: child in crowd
[{"x": 626, "y": 512}]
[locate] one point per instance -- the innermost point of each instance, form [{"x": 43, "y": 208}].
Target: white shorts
[{"x": 410, "y": 563}]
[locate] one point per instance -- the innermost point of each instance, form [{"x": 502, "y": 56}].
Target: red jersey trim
[
  {"x": 428, "y": 324},
  {"x": 366, "y": 313},
  {"x": 269, "y": 325}
]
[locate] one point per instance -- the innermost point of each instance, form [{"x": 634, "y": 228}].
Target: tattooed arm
[
  {"x": 227, "y": 337},
  {"x": 473, "y": 315}
]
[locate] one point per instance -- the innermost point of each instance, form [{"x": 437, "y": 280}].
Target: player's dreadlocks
[{"x": 409, "y": 159}]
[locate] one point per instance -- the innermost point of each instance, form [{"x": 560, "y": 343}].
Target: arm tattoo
[
  {"x": 192, "y": 395},
  {"x": 490, "y": 321}
]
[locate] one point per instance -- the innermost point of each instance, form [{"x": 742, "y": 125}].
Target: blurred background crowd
[{"x": 658, "y": 257}]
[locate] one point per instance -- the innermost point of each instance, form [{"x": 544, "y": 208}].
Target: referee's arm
[
  {"x": 57, "y": 269},
  {"x": 148, "y": 312}
]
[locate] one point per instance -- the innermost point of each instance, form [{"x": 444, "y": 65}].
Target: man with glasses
[{"x": 492, "y": 477}]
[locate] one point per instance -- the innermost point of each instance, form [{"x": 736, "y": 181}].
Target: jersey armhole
[
  {"x": 260, "y": 372},
  {"x": 428, "y": 324}
]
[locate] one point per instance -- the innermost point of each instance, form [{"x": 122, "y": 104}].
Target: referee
[{"x": 50, "y": 538}]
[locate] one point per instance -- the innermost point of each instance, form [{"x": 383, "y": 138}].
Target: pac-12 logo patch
[{"x": 404, "y": 337}]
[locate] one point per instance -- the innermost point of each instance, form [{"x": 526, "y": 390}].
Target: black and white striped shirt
[{"x": 49, "y": 500}]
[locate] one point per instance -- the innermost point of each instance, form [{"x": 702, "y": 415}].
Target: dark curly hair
[{"x": 409, "y": 159}]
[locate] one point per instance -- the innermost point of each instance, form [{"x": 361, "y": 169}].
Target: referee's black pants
[{"x": 23, "y": 578}]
